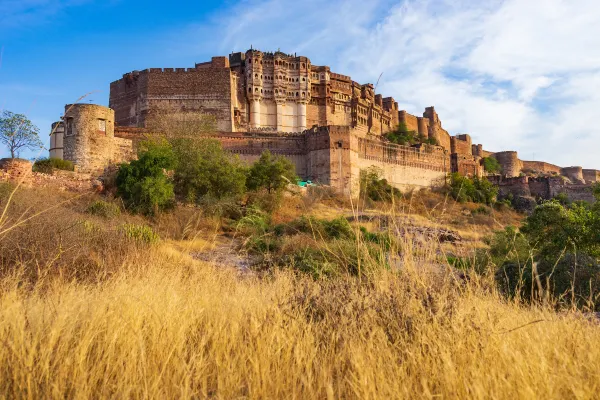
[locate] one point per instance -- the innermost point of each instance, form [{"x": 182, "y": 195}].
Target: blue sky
[{"x": 516, "y": 74}]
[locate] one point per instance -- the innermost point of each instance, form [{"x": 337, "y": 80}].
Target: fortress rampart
[{"x": 327, "y": 124}]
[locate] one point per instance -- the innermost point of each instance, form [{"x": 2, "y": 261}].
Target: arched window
[
  {"x": 303, "y": 79},
  {"x": 249, "y": 61},
  {"x": 249, "y": 90},
  {"x": 297, "y": 94},
  {"x": 302, "y": 65},
  {"x": 303, "y": 94},
  {"x": 256, "y": 75},
  {"x": 256, "y": 90}
]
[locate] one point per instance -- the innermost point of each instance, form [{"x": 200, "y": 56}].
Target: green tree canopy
[
  {"x": 271, "y": 173},
  {"x": 143, "y": 184},
  {"x": 204, "y": 170},
  {"x": 491, "y": 165},
  {"x": 17, "y": 132},
  {"x": 477, "y": 190},
  {"x": 402, "y": 135}
]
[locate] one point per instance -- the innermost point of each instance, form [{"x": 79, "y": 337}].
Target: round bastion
[
  {"x": 575, "y": 174},
  {"x": 509, "y": 160},
  {"x": 88, "y": 134}
]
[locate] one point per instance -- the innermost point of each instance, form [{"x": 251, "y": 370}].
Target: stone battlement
[{"x": 329, "y": 125}]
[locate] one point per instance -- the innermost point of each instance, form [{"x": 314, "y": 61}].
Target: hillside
[{"x": 96, "y": 302}]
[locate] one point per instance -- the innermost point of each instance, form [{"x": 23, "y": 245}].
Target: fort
[{"x": 328, "y": 125}]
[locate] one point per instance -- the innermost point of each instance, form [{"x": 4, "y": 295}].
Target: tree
[
  {"x": 143, "y": 184},
  {"x": 18, "y": 132},
  {"x": 271, "y": 173},
  {"x": 204, "y": 170},
  {"x": 477, "y": 190},
  {"x": 372, "y": 186},
  {"x": 491, "y": 165},
  {"x": 402, "y": 135}
]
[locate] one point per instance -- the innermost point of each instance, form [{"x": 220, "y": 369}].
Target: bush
[
  {"x": 491, "y": 165},
  {"x": 104, "y": 209},
  {"x": 47, "y": 165},
  {"x": 143, "y": 184},
  {"x": 203, "y": 170},
  {"x": 477, "y": 190},
  {"x": 271, "y": 173},
  {"x": 403, "y": 136},
  {"x": 481, "y": 210},
  {"x": 375, "y": 188},
  {"x": 140, "y": 233},
  {"x": 556, "y": 253}
]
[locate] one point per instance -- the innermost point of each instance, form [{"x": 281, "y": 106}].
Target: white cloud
[
  {"x": 16, "y": 14},
  {"x": 516, "y": 74}
]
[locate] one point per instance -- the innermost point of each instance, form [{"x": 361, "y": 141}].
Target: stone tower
[{"x": 88, "y": 135}]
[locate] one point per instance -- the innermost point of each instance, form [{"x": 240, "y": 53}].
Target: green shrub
[
  {"x": 403, "y": 136},
  {"x": 491, "y": 165},
  {"x": 375, "y": 188},
  {"x": 203, "y": 170},
  {"x": 482, "y": 210},
  {"x": 47, "y": 165},
  {"x": 477, "y": 190},
  {"x": 143, "y": 184},
  {"x": 337, "y": 228},
  {"x": 104, "y": 209},
  {"x": 563, "y": 198},
  {"x": 271, "y": 173},
  {"x": 142, "y": 234},
  {"x": 313, "y": 262},
  {"x": 557, "y": 253}
]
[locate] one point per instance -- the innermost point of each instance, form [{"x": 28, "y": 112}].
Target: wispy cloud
[
  {"x": 15, "y": 14},
  {"x": 518, "y": 75}
]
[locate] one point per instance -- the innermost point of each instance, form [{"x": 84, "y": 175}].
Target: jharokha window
[{"x": 102, "y": 126}]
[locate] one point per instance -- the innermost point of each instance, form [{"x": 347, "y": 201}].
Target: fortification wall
[
  {"x": 203, "y": 90},
  {"x": 128, "y": 98},
  {"x": 509, "y": 160},
  {"x": 411, "y": 121},
  {"x": 542, "y": 187},
  {"x": 591, "y": 175},
  {"x": 540, "y": 166},
  {"x": 461, "y": 144},
  {"x": 89, "y": 138},
  {"x": 465, "y": 164},
  {"x": 315, "y": 114},
  {"x": 575, "y": 174},
  {"x": 403, "y": 166}
]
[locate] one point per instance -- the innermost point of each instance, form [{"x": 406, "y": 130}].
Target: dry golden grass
[
  {"x": 163, "y": 325},
  {"x": 176, "y": 328}
]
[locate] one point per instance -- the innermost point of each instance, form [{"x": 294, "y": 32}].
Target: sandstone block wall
[
  {"x": 540, "y": 166},
  {"x": 89, "y": 138},
  {"x": 411, "y": 121},
  {"x": 461, "y": 144},
  {"x": 466, "y": 164},
  {"x": 591, "y": 175},
  {"x": 575, "y": 174},
  {"x": 202, "y": 90},
  {"x": 542, "y": 187},
  {"x": 509, "y": 160}
]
